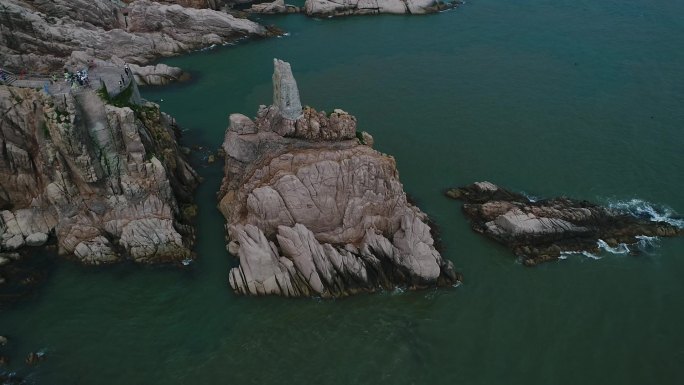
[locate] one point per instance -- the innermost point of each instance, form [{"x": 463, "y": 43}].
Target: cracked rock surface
[
  {"x": 313, "y": 212},
  {"x": 107, "y": 182},
  {"x": 40, "y": 35},
  {"x": 325, "y": 8},
  {"x": 540, "y": 231}
]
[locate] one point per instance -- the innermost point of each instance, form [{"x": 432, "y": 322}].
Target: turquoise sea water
[{"x": 582, "y": 98}]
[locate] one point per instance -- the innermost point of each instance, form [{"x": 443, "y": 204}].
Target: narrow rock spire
[{"x": 285, "y": 92}]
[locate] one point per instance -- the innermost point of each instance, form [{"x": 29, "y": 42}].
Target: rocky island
[
  {"x": 540, "y": 231},
  {"x": 313, "y": 210}
]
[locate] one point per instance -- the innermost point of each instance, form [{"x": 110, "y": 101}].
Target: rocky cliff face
[
  {"x": 540, "y": 231},
  {"x": 325, "y": 8},
  {"x": 106, "y": 181},
  {"x": 41, "y": 35},
  {"x": 311, "y": 210},
  {"x": 213, "y": 4}
]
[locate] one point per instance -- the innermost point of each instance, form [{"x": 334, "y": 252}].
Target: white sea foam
[
  {"x": 566, "y": 254},
  {"x": 529, "y": 197},
  {"x": 620, "y": 249},
  {"x": 647, "y": 244},
  {"x": 186, "y": 261},
  {"x": 643, "y": 209}
]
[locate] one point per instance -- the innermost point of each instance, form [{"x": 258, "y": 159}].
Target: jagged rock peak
[{"x": 285, "y": 91}]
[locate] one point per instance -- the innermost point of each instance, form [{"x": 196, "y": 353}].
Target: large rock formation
[
  {"x": 327, "y": 8},
  {"x": 102, "y": 175},
  {"x": 311, "y": 210},
  {"x": 540, "y": 231},
  {"x": 41, "y": 35}
]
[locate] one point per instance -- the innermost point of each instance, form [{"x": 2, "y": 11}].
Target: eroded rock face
[
  {"x": 312, "y": 211},
  {"x": 213, "y": 4},
  {"x": 275, "y": 7},
  {"x": 325, "y": 8},
  {"x": 39, "y": 36},
  {"x": 107, "y": 182},
  {"x": 540, "y": 231}
]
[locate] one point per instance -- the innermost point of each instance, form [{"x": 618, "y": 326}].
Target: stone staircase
[{"x": 9, "y": 78}]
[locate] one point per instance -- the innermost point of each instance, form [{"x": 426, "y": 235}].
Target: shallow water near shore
[{"x": 581, "y": 98}]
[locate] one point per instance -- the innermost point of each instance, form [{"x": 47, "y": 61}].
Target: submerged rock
[
  {"x": 311, "y": 211},
  {"x": 105, "y": 180},
  {"x": 540, "y": 231},
  {"x": 330, "y": 8},
  {"x": 34, "y": 358}
]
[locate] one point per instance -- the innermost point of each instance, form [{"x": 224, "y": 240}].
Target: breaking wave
[
  {"x": 530, "y": 197},
  {"x": 566, "y": 254},
  {"x": 647, "y": 244},
  {"x": 619, "y": 249},
  {"x": 646, "y": 210},
  {"x": 644, "y": 244}
]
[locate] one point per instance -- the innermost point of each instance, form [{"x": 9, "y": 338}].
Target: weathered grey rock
[
  {"x": 157, "y": 75},
  {"x": 241, "y": 124},
  {"x": 91, "y": 174},
  {"x": 13, "y": 242},
  {"x": 312, "y": 211},
  {"x": 285, "y": 91},
  {"x": 275, "y": 7},
  {"x": 36, "y": 239},
  {"x": 327, "y": 8},
  {"x": 40, "y": 35},
  {"x": 539, "y": 231}
]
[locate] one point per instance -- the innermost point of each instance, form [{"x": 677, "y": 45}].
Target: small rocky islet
[
  {"x": 313, "y": 209},
  {"x": 544, "y": 230}
]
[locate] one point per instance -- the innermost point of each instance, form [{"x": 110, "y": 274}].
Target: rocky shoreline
[
  {"x": 40, "y": 37},
  {"x": 100, "y": 171},
  {"x": 97, "y": 171},
  {"x": 312, "y": 209},
  {"x": 544, "y": 230}
]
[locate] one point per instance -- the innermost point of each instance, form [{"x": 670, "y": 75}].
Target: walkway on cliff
[{"x": 108, "y": 75}]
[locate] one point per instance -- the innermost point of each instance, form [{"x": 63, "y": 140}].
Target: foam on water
[
  {"x": 647, "y": 244},
  {"x": 643, "y": 209},
  {"x": 565, "y": 254},
  {"x": 620, "y": 249}
]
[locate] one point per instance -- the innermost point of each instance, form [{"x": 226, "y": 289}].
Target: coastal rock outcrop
[
  {"x": 38, "y": 36},
  {"x": 328, "y": 8},
  {"x": 275, "y": 7},
  {"x": 213, "y": 4},
  {"x": 101, "y": 174},
  {"x": 311, "y": 210},
  {"x": 544, "y": 230}
]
